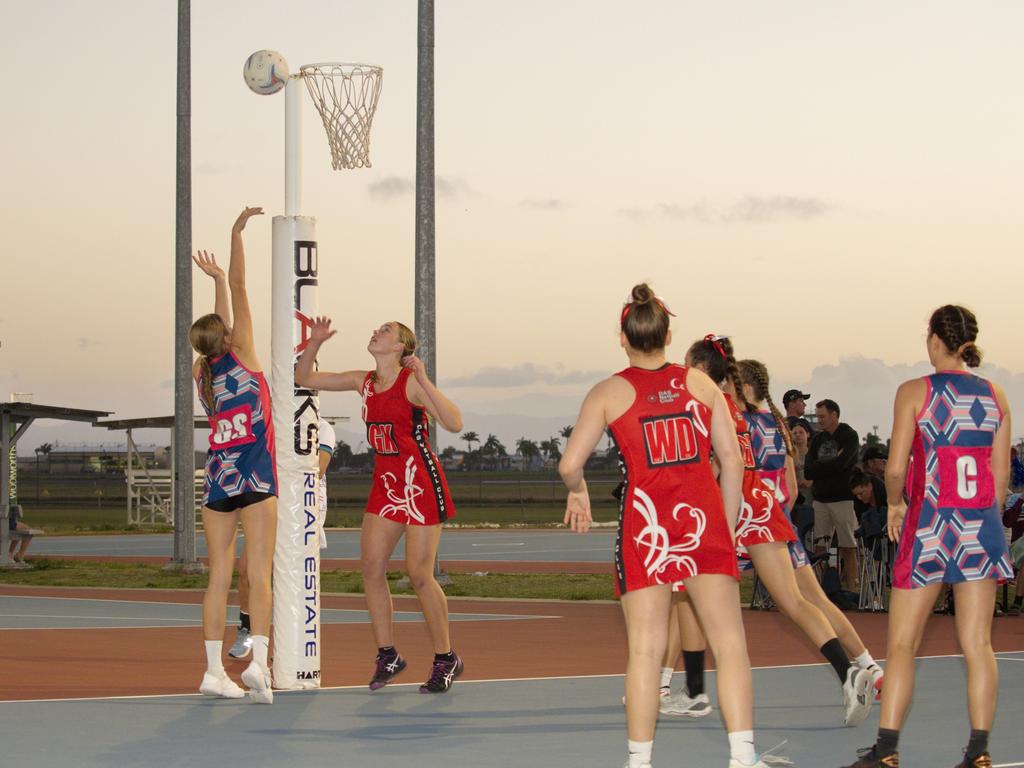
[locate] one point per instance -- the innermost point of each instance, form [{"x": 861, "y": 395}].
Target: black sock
[
  {"x": 243, "y": 617},
  {"x": 450, "y": 656},
  {"x": 978, "y": 744},
  {"x": 887, "y": 742},
  {"x": 836, "y": 656},
  {"x": 693, "y": 661},
  {"x": 1018, "y": 600},
  {"x": 387, "y": 651}
]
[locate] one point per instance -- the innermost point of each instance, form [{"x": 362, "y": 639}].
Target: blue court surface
[
  {"x": 86, "y": 613},
  {"x": 539, "y": 546},
  {"x": 573, "y": 722}
]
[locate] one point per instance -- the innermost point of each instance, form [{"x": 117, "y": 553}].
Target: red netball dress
[
  {"x": 761, "y": 519},
  {"x": 409, "y": 486},
  {"x": 672, "y": 523}
]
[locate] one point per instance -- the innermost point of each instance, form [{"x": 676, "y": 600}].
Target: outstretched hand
[
  {"x": 577, "y": 511},
  {"x": 244, "y": 216},
  {"x": 321, "y": 331},
  {"x": 208, "y": 263}
]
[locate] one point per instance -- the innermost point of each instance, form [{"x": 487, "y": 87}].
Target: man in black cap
[
  {"x": 874, "y": 460},
  {"x": 795, "y": 403}
]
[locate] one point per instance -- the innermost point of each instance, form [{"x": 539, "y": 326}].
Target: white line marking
[
  {"x": 97, "y": 618},
  {"x": 502, "y": 544},
  {"x": 1007, "y": 765}
]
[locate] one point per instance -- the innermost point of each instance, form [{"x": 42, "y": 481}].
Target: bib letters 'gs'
[
  {"x": 953, "y": 531},
  {"x": 672, "y": 523}
]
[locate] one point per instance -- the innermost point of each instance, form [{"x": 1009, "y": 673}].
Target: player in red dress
[
  {"x": 951, "y": 430},
  {"x": 676, "y": 522},
  {"x": 765, "y": 532},
  {"x": 409, "y": 494}
]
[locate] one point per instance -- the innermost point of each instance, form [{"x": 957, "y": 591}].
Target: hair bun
[
  {"x": 642, "y": 294},
  {"x": 970, "y": 354}
]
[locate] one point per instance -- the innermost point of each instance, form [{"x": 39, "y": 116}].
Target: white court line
[
  {"x": 107, "y": 618},
  {"x": 502, "y": 544},
  {"x": 1007, "y": 765},
  {"x": 362, "y": 686}
]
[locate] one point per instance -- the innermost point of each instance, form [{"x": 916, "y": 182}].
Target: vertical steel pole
[
  {"x": 5, "y": 488},
  {"x": 184, "y": 431},
  {"x": 425, "y": 316},
  {"x": 293, "y": 146}
]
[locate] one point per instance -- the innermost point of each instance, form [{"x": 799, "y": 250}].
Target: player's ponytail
[
  {"x": 716, "y": 356},
  {"x": 957, "y": 328},
  {"x": 755, "y": 374},
  {"x": 207, "y": 336}
]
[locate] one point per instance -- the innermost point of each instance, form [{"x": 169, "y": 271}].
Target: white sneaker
[
  {"x": 258, "y": 680},
  {"x": 858, "y": 695},
  {"x": 220, "y": 685},
  {"x": 681, "y": 705},
  {"x": 243, "y": 644}
]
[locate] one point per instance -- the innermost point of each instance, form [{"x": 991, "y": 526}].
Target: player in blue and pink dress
[
  {"x": 240, "y": 481},
  {"x": 951, "y": 436},
  {"x": 409, "y": 494}
]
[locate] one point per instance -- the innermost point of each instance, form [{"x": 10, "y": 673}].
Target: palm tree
[
  {"x": 470, "y": 438},
  {"x": 527, "y": 449},
  {"x": 566, "y": 432},
  {"x": 493, "y": 450},
  {"x": 552, "y": 449}
]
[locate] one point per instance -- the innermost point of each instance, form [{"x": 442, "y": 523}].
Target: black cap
[
  {"x": 875, "y": 452},
  {"x": 794, "y": 394}
]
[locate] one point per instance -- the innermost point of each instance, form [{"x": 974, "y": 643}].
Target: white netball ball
[{"x": 265, "y": 72}]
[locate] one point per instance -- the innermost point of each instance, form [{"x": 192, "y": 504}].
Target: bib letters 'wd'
[
  {"x": 409, "y": 486},
  {"x": 672, "y": 522},
  {"x": 241, "y": 458},
  {"x": 953, "y": 531},
  {"x": 297, "y": 642}
]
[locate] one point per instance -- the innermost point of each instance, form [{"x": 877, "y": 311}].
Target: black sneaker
[
  {"x": 387, "y": 670},
  {"x": 869, "y": 758},
  {"x": 984, "y": 760},
  {"x": 442, "y": 675}
]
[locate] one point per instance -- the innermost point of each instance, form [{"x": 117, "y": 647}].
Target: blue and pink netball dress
[
  {"x": 769, "y": 447},
  {"x": 241, "y": 468},
  {"x": 953, "y": 531}
]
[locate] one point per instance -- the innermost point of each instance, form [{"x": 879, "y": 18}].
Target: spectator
[
  {"x": 801, "y": 431},
  {"x": 1016, "y": 471},
  {"x": 1013, "y": 518},
  {"x": 17, "y": 549},
  {"x": 831, "y": 457},
  {"x": 874, "y": 461},
  {"x": 868, "y": 492},
  {"x": 795, "y": 403}
]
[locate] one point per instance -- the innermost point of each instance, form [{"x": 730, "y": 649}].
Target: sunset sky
[{"x": 810, "y": 178}]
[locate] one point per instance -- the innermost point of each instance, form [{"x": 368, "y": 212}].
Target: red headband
[
  {"x": 715, "y": 341},
  {"x": 630, "y": 304}
]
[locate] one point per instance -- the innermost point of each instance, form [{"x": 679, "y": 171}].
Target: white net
[{"x": 346, "y": 98}]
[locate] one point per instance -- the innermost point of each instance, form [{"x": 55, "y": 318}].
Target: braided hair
[
  {"x": 716, "y": 356},
  {"x": 957, "y": 328},
  {"x": 754, "y": 373},
  {"x": 207, "y": 336}
]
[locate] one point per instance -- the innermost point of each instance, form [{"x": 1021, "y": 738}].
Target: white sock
[
  {"x": 666, "y": 676},
  {"x": 214, "y": 663},
  {"x": 741, "y": 747},
  {"x": 259, "y": 649},
  {"x": 639, "y": 753},
  {"x": 864, "y": 661}
]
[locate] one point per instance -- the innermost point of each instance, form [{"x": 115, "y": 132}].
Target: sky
[{"x": 809, "y": 178}]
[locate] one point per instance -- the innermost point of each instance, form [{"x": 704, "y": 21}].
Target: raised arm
[
  {"x": 208, "y": 263},
  {"x": 306, "y": 376},
  {"x": 241, "y": 331},
  {"x": 423, "y": 392}
]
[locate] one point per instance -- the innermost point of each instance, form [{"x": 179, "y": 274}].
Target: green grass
[{"x": 550, "y": 586}]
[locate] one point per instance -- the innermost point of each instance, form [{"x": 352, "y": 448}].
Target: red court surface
[{"x": 570, "y": 639}]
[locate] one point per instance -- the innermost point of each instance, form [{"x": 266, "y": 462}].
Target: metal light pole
[{"x": 184, "y": 494}]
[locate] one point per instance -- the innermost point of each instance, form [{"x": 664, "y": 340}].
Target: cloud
[
  {"x": 390, "y": 188},
  {"x": 542, "y": 205},
  {"x": 448, "y": 188},
  {"x": 747, "y": 210},
  {"x": 86, "y": 343},
  {"x": 522, "y": 375},
  {"x": 752, "y": 209}
]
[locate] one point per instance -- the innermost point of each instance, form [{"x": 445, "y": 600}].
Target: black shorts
[{"x": 231, "y": 503}]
